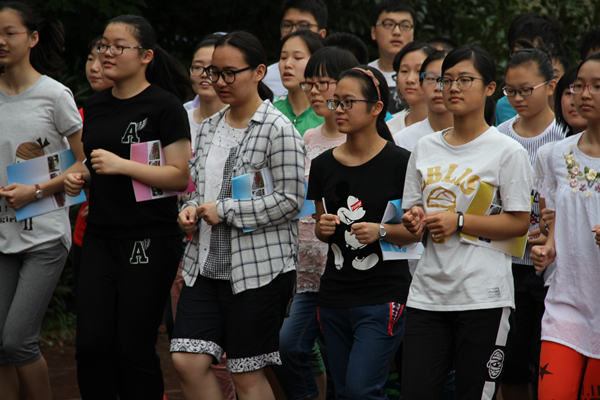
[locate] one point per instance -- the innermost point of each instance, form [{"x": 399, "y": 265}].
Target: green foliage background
[{"x": 180, "y": 24}]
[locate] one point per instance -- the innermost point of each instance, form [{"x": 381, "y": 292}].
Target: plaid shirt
[{"x": 257, "y": 257}]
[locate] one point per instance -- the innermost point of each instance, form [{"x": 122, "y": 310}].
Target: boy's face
[
  {"x": 294, "y": 19},
  {"x": 391, "y": 41}
]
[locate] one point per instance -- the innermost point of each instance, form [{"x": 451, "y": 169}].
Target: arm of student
[
  {"x": 544, "y": 255},
  {"x": 368, "y": 232},
  {"x": 18, "y": 195},
  {"x": 596, "y": 230},
  {"x": 174, "y": 175},
  {"x": 507, "y": 225},
  {"x": 326, "y": 223},
  {"x": 286, "y": 159}
]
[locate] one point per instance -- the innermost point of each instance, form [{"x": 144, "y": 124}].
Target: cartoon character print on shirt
[
  {"x": 28, "y": 151},
  {"x": 351, "y": 210},
  {"x": 131, "y": 133},
  {"x": 443, "y": 197}
]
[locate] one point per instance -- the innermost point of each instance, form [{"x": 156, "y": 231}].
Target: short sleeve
[
  {"x": 550, "y": 185},
  {"x": 412, "y": 195},
  {"x": 541, "y": 168},
  {"x": 67, "y": 119},
  {"x": 516, "y": 182},
  {"x": 174, "y": 122}
]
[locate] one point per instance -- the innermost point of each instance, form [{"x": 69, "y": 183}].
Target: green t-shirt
[{"x": 307, "y": 120}]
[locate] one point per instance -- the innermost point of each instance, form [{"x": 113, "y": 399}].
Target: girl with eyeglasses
[
  {"x": 39, "y": 117},
  {"x": 529, "y": 85},
  {"x": 238, "y": 284},
  {"x": 361, "y": 297},
  {"x": 461, "y": 294},
  {"x": 296, "y": 50},
  {"x": 438, "y": 116},
  {"x": 570, "y": 355},
  {"x": 302, "y": 373},
  {"x": 407, "y": 65},
  {"x": 131, "y": 249}
]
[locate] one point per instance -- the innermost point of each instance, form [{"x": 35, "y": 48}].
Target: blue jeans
[
  {"x": 361, "y": 344},
  {"x": 296, "y": 339}
]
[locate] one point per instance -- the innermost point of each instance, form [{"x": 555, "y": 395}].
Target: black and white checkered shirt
[{"x": 257, "y": 257}]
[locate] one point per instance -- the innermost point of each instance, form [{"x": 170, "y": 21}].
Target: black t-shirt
[
  {"x": 113, "y": 124},
  {"x": 359, "y": 194}
]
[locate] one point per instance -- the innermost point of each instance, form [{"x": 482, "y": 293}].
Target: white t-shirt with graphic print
[{"x": 451, "y": 275}]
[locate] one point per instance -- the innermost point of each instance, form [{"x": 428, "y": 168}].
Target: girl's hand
[
  {"x": 327, "y": 224},
  {"x": 74, "y": 184},
  {"x": 365, "y": 232},
  {"x": 596, "y": 229},
  {"x": 542, "y": 256},
  {"x": 441, "y": 224},
  {"x": 547, "y": 218},
  {"x": 106, "y": 163},
  {"x": 85, "y": 211},
  {"x": 536, "y": 238},
  {"x": 187, "y": 219},
  {"x": 414, "y": 221},
  {"x": 208, "y": 212},
  {"x": 18, "y": 195}
]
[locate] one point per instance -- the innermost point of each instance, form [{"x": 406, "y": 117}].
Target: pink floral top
[{"x": 313, "y": 252}]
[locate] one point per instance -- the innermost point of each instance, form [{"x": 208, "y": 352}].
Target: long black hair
[
  {"x": 164, "y": 70},
  {"x": 381, "y": 92},
  {"x": 563, "y": 84},
  {"x": 44, "y": 57},
  {"x": 253, "y": 52},
  {"x": 331, "y": 62},
  {"x": 483, "y": 63}
]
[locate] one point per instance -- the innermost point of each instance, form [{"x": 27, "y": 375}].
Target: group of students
[{"x": 255, "y": 286}]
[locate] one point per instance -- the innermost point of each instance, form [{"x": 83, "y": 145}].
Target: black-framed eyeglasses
[
  {"x": 227, "y": 75},
  {"x": 346, "y": 104},
  {"x": 579, "y": 88},
  {"x": 430, "y": 77},
  {"x": 321, "y": 85},
  {"x": 463, "y": 83},
  {"x": 115, "y": 50},
  {"x": 509, "y": 92},
  {"x": 288, "y": 26},
  {"x": 198, "y": 70},
  {"x": 390, "y": 25}
]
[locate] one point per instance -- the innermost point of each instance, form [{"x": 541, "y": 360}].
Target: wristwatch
[
  {"x": 38, "y": 192},
  {"x": 382, "y": 231},
  {"x": 461, "y": 221}
]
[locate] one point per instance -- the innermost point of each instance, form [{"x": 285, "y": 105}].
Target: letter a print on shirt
[
  {"x": 138, "y": 256},
  {"x": 131, "y": 133}
]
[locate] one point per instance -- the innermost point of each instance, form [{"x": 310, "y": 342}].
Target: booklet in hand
[{"x": 390, "y": 251}]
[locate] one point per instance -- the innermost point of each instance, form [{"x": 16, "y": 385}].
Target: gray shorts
[{"x": 27, "y": 281}]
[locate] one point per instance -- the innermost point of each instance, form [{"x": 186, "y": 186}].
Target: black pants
[
  {"x": 474, "y": 340},
  {"x": 122, "y": 290}
]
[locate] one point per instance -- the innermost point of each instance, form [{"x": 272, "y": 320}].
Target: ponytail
[
  {"x": 489, "y": 113},
  {"x": 264, "y": 92},
  {"x": 164, "y": 70},
  {"x": 45, "y": 55}
]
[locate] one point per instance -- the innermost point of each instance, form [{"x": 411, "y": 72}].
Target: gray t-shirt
[{"x": 35, "y": 123}]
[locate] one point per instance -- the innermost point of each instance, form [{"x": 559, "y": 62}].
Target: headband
[{"x": 375, "y": 81}]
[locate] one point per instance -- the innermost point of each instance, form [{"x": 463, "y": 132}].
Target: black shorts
[
  {"x": 473, "y": 341},
  {"x": 211, "y": 320}
]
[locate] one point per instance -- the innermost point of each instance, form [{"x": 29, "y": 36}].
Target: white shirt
[
  {"x": 572, "y": 316},
  {"x": 398, "y": 121},
  {"x": 273, "y": 80},
  {"x": 451, "y": 275},
  {"x": 388, "y": 75},
  {"x": 408, "y": 137},
  {"x": 194, "y": 126}
]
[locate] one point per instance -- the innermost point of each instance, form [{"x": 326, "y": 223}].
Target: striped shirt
[
  {"x": 257, "y": 257},
  {"x": 552, "y": 133}
]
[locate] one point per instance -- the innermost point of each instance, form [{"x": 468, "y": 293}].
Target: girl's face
[
  {"x": 361, "y": 115},
  {"x": 317, "y": 98},
  {"x": 588, "y": 104},
  {"x": 131, "y": 62},
  {"x": 431, "y": 90},
  {"x": 94, "y": 73},
  {"x": 230, "y": 58},
  {"x": 462, "y": 102},
  {"x": 16, "y": 41},
  {"x": 570, "y": 113},
  {"x": 408, "y": 77},
  {"x": 526, "y": 76},
  {"x": 201, "y": 84},
  {"x": 292, "y": 62}
]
